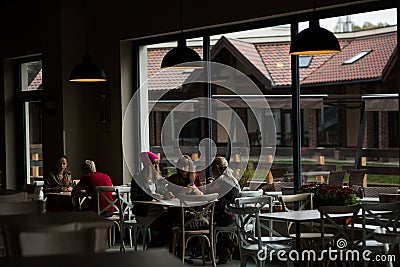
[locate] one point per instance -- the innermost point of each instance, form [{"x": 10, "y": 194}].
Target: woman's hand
[
  {"x": 194, "y": 190},
  {"x": 210, "y": 180},
  {"x": 169, "y": 195}
]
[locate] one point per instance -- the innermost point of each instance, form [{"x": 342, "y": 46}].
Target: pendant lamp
[
  {"x": 181, "y": 54},
  {"x": 87, "y": 71},
  {"x": 314, "y": 40}
]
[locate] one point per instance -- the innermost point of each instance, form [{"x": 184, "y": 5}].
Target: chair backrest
[
  {"x": 46, "y": 243},
  {"x": 336, "y": 178},
  {"x": 248, "y": 224},
  {"x": 12, "y": 233},
  {"x": 31, "y": 207},
  {"x": 124, "y": 205},
  {"x": 375, "y": 191},
  {"x": 393, "y": 239},
  {"x": 104, "y": 194},
  {"x": 388, "y": 198},
  {"x": 305, "y": 199},
  {"x": 14, "y": 197},
  {"x": 252, "y": 193},
  {"x": 262, "y": 203},
  {"x": 197, "y": 212},
  {"x": 341, "y": 226},
  {"x": 356, "y": 177},
  {"x": 385, "y": 215}
]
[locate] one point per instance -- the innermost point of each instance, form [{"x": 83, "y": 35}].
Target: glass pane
[
  {"x": 31, "y": 76},
  {"x": 33, "y": 120}
]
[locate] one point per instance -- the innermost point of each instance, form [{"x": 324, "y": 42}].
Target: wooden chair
[
  {"x": 128, "y": 221},
  {"x": 14, "y": 197},
  {"x": 105, "y": 193},
  {"x": 12, "y": 235},
  {"x": 375, "y": 191},
  {"x": 336, "y": 178},
  {"x": 231, "y": 229},
  {"x": 391, "y": 241},
  {"x": 389, "y": 198},
  {"x": 15, "y": 208},
  {"x": 379, "y": 218},
  {"x": 339, "y": 227},
  {"x": 201, "y": 209},
  {"x": 342, "y": 228},
  {"x": 265, "y": 204},
  {"x": 356, "y": 177},
  {"x": 249, "y": 241},
  {"x": 250, "y": 237},
  {"x": 57, "y": 243}
]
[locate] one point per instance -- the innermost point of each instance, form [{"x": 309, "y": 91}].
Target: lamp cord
[
  {"x": 86, "y": 28},
  {"x": 181, "y": 17}
]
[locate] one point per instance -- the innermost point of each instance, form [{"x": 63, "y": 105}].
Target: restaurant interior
[{"x": 104, "y": 122}]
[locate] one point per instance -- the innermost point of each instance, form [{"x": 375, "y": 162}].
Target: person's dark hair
[{"x": 62, "y": 156}]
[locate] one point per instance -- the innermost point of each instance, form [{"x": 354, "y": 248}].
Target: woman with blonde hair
[{"x": 185, "y": 176}]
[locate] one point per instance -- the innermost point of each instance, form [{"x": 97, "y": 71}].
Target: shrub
[{"x": 327, "y": 195}]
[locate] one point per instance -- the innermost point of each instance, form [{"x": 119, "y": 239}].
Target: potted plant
[{"x": 328, "y": 195}]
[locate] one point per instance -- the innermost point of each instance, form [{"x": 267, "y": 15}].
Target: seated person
[
  {"x": 88, "y": 183},
  {"x": 147, "y": 185},
  {"x": 60, "y": 179},
  {"x": 185, "y": 176},
  {"x": 223, "y": 181}
]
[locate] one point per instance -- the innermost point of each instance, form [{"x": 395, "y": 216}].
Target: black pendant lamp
[
  {"x": 314, "y": 40},
  {"x": 181, "y": 54},
  {"x": 87, "y": 71}
]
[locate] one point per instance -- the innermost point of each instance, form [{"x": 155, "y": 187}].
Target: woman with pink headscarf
[{"x": 147, "y": 185}]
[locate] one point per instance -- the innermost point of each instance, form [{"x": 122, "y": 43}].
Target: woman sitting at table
[
  {"x": 186, "y": 177},
  {"x": 60, "y": 179},
  {"x": 145, "y": 186},
  {"x": 221, "y": 182},
  {"x": 88, "y": 183}
]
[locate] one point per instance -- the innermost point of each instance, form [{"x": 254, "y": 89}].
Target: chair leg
[
  {"x": 135, "y": 233},
  {"x": 202, "y": 251},
  {"x": 212, "y": 251},
  {"x": 183, "y": 249},
  {"x": 242, "y": 260}
]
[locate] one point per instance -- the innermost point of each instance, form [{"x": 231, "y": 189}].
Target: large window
[{"x": 30, "y": 89}]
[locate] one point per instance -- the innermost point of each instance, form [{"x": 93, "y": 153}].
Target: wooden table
[{"x": 151, "y": 257}]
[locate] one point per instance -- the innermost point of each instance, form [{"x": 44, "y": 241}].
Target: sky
[
  {"x": 385, "y": 16},
  {"x": 388, "y": 15}
]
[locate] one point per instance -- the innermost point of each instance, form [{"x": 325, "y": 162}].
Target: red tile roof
[
  {"x": 168, "y": 78},
  {"x": 272, "y": 60},
  {"x": 370, "y": 66},
  {"x": 36, "y": 82}
]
